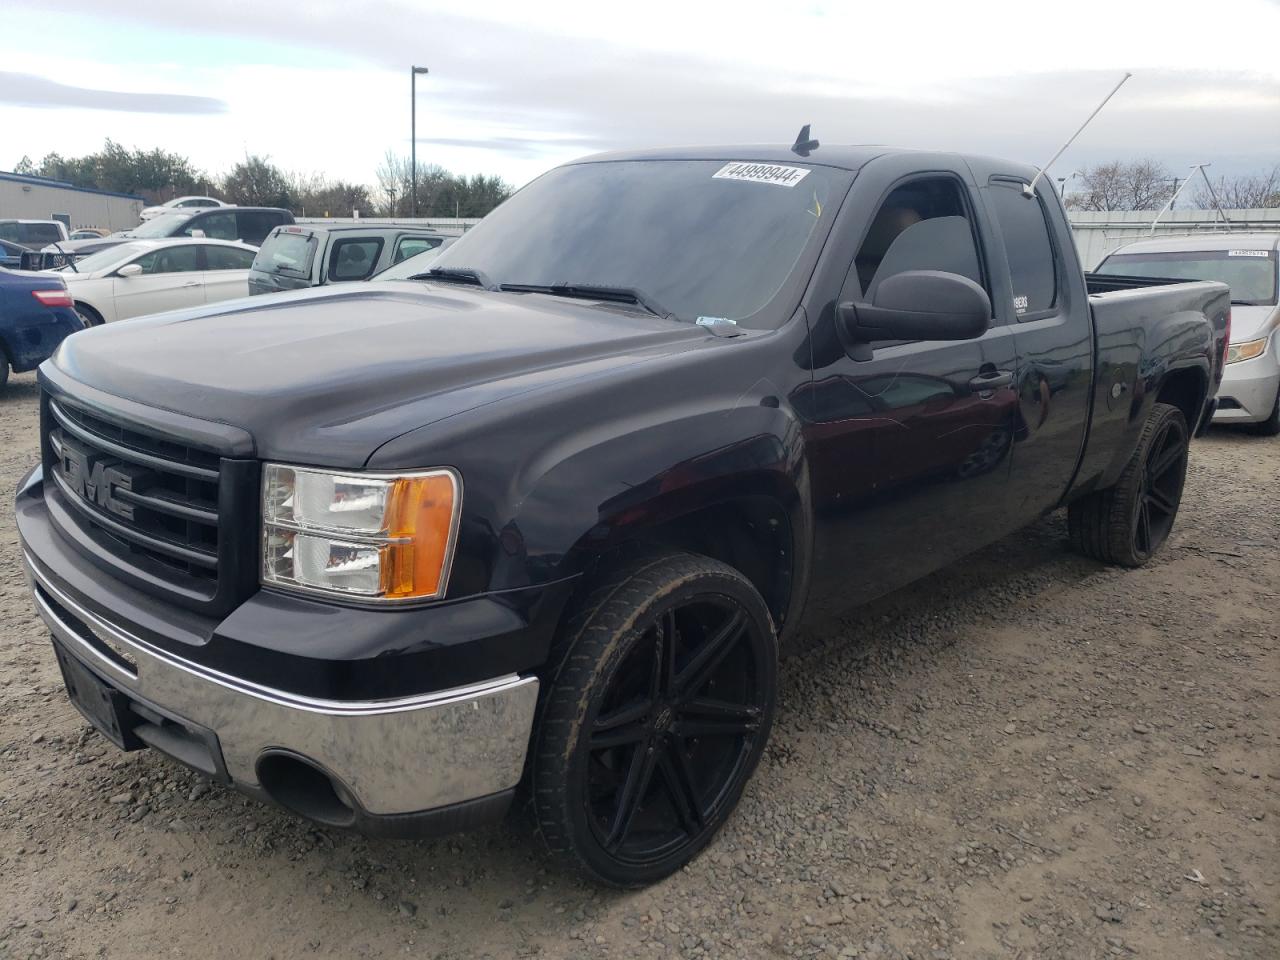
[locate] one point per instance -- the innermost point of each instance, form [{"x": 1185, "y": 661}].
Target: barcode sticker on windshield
[
  {"x": 1248, "y": 253},
  {"x": 761, "y": 173}
]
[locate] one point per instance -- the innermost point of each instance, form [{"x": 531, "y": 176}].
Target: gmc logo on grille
[{"x": 95, "y": 477}]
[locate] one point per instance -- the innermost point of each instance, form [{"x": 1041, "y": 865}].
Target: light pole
[{"x": 413, "y": 134}]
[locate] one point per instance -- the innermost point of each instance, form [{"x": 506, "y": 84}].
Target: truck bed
[{"x": 1122, "y": 309}]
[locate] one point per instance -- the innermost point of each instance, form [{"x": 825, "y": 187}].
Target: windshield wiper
[
  {"x": 460, "y": 275},
  {"x": 592, "y": 291},
  {"x": 69, "y": 262}
]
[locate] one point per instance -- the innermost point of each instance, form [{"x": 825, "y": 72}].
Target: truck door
[
  {"x": 910, "y": 440},
  {"x": 1042, "y": 293}
]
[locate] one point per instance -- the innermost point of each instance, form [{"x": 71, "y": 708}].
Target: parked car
[
  {"x": 1250, "y": 265},
  {"x": 415, "y": 266},
  {"x": 33, "y": 234},
  {"x": 151, "y": 276},
  {"x": 88, "y": 233},
  {"x": 382, "y": 553},
  {"x": 246, "y": 224},
  {"x": 11, "y": 254},
  {"x": 307, "y": 255},
  {"x": 182, "y": 203},
  {"x": 35, "y": 317}
]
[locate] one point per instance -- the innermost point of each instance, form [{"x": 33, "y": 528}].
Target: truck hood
[
  {"x": 326, "y": 376},
  {"x": 1252, "y": 323}
]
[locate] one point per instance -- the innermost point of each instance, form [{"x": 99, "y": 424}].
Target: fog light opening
[{"x": 299, "y": 785}]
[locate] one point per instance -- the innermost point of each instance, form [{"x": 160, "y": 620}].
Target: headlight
[
  {"x": 1246, "y": 351},
  {"x": 380, "y": 537}
]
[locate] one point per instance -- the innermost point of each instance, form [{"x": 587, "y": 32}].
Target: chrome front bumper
[{"x": 393, "y": 757}]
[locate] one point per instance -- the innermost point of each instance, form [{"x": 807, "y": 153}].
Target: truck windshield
[
  {"x": 704, "y": 238},
  {"x": 1251, "y": 274}
]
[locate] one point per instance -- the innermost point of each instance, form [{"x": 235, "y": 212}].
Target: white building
[{"x": 37, "y": 198}]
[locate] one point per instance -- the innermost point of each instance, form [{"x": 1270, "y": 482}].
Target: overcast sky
[{"x": 516, "y": 87}]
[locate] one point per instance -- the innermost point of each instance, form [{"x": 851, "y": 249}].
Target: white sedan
[
  {"x": 148, "y": 276},
  {"x": 189, "y": 204}
]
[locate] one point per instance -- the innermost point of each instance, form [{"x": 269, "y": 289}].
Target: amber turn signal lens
[{"x": 420, "y": 517}]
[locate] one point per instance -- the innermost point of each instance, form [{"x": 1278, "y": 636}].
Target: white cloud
[{"x": 516, "y": 87}]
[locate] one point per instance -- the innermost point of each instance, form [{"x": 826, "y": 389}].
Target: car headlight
[
  {"x": 1246, "y": 351},
  {"x": 382, "y": 537}
]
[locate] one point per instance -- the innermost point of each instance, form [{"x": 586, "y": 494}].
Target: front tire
[
  {"x": 656, "y": 718},
  {"x": 1127, "y": 523}
]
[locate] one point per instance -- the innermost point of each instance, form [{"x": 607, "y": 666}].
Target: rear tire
[
  {"x": 1126, "y": 524},
  {"x": 1270, "y": 427},
  {"x": 4, "y": 370},
  {"x": 656, "y": 718}
]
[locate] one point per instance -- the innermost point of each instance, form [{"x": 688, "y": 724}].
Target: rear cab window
[
  {"x": 287, "y": 252},
  {"x": 1033, "y": 269},
  {"x": 354, "y": 258}
]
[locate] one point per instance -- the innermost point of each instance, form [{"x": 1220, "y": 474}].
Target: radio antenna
[{"x": 1030, "y": 189}]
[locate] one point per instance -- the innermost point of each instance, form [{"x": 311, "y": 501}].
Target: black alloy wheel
[
  {"x": 657, "y": 720},
  {"x": 1126, "y": 523},
  {"x": 1162, "y": 481}
]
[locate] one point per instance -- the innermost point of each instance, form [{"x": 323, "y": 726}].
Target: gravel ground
[{"x": 1026, "y": 756}]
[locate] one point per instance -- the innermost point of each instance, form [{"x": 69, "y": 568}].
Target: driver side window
[{"x": 921, "y": 225}]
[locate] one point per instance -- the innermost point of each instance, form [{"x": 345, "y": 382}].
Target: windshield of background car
[
  {"x": 110, "y": 257},
  {"x": 702, "y": 238},
  {"x": 164, "y": 226},
  {"x": 1251, "y": 274},
  {"x": 286, "y": 252}
]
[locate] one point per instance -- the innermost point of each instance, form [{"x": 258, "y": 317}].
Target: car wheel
[
  {"x": 1126, "y": 524},
  {"x": 90, "y": 316},
  {"x": 655, "y": 719},
  {"x": 4, "y": 370},
  {"x": 1270, "y": 427}
]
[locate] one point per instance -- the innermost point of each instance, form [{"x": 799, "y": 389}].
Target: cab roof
[
  {"x": 843, "y": 157},
  {"x": 851, "y": 157}
]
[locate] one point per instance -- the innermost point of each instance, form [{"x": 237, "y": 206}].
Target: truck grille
[{"x": 161, "y": 510}]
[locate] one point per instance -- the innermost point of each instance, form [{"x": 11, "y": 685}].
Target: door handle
[
  {"x": 992, "y": 380},
  {"x": 192, "y": 283}
]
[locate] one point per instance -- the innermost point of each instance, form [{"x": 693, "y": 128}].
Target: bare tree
[
  {"x": 1140, "y": 185},
  {"x": 440, "y": 193},
  {"x": 1243, "y": 193}
]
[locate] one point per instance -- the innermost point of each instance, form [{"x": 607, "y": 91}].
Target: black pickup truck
[{"x": 385, "y": 553}]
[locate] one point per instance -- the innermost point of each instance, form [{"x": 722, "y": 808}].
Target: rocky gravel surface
[{"x": 1027, "y": 756}]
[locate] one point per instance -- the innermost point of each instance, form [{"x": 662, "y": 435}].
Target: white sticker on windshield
[
  {"x": 761, "y": 173},
  {"x": 1248, "y": 253}
]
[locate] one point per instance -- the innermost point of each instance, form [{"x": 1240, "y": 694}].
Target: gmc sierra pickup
[{"x": 384, "y": 553}]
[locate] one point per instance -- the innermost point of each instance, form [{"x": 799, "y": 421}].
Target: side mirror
[
  {"x": 130, "y": 270},
  {"x": 197, "y": 232},
  {"x": 919, "y": 305}
]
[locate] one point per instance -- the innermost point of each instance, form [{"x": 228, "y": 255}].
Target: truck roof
[
  {"x": 1204, "y": 241},
  {"x": 843, "y": 156}
]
